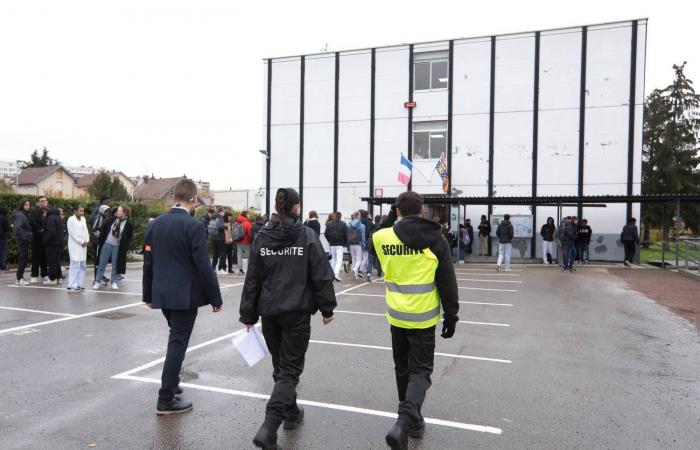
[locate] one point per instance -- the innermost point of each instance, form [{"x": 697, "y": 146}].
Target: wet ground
[{"x": 540, "y": 360}]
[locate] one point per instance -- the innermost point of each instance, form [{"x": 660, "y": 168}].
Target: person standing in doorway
[
  {"x": 78, "y": 240},
  {"x": 23, "y": 238},
  {"x": 357, "y": 243},
  {"x": 37, "y": 220},
  {"x": 337, "y": 236},
  {"x": 53, "y": 243},
  {"x": 504, "y": 232},
  {"x": 547, "y": 232},
  {"x": 630, "y": 240},
  {"x": 242, "y": 243},
  {"x": 420, "y": 278},
  {"x": 484, "y": 233},
  {"x": 288, "y": 280},
  {"x": 115, "y": 239},
  {"x": 178, "y": 279}
]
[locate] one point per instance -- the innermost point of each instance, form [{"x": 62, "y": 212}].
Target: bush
[{"x": 139, "y": 218}]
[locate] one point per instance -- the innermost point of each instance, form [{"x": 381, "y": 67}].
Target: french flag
[{"x": 405, "y": 178}]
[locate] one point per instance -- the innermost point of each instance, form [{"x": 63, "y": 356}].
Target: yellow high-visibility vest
[{"x": 412, "y": 300}]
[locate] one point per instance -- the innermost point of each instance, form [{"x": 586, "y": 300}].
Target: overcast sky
[{"x": 175, "y": 87}]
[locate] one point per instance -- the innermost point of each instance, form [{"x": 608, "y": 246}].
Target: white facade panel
[
  {"x": 639, "y": 110},
  {"x": 389, "y": 143},
  {"x": 608, "y": 66},
  {"x": 470, "y": 155},
  {"x": 606, "y": 150},
  {"x": 512, "y": 165},
  {"x": 430, "y": 105},
  {"x": 318, "y": 167},
  {"x": 319, "y": 90},
  {"x": 353, "y": 164},
  {"x": 471, "y": 77},
  {"x": 284, "y": 159},
  {"x": 286, "y": 102},
  {"x": 286, "y": 77},
  {"x": 515, "y": 73},
  {"x": 557, "y": 155},
  {"x": 560, "y": 69},
  {"x": 391, "y": 83},
  {"x": 355, "y": 79}
]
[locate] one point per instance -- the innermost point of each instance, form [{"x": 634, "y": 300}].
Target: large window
[
  {"x": 429, "y": 139},
  {"x": 430, "y": 71}
]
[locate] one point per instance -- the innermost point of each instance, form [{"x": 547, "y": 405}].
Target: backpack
[
  {"x": 238, "y": 232},
  {"x": 212, "y": 228},
  {"x": 354, "y": 237},
  {"x": 96, "y": 225},
  {"x": 465, "y": 238}
]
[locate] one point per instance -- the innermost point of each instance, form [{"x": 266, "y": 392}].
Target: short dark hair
[
  {"x": 364, "y": 213},
  {"x": 185, "y": 190},
  {"x": 103, "y": 199},
  {"x": 632, "y": 219},
  {"x": 244, "y": 213},
  {"x": 220, "y": 209},
  {"x": 42, "y": 196},
  {"x": 506, "y": 216},
  {"x": 338, "y": 215},
  {"x": 409, "y": 203},
  {"x": 313, "y": 214},
  {"x": 211, "y": 211}
]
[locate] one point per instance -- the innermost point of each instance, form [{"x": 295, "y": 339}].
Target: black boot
[
  {"x": 266, "y": 437},
  {"x": 397, "y": 437},
  {"x": 174, "y": 406},
  {"x": 293, "y": 422},
  {"x": 417, "y": 430}
]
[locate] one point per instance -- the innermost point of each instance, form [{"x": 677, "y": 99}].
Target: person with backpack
[
  {"x": 215, "y": 230},
  {"x": 23, "y": 238},
  {"x": 241, "y": 235},
  {"x": 204, "y": 220},
  {"x": 53, "y": 243},
  {"x": 288, "y": 281},
  {"x": 336, "y": 234},
  {"x": 229, "y": 243},
  {"x": 547, "y": 232},
  {"x": 312, "y": 222},
  {"x": 369, "y": 227},
  {"x": 4, "y": 231},
  {"x": 464, "y": 242},
  {"x": 505, "y": 234},
  {"x": 356, "y": 242},
  {"x": 260, "y": 221}
]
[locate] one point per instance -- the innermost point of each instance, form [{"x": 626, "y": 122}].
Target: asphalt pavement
[{"x": 540, "y": 359}]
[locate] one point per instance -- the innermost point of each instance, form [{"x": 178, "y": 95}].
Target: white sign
[{"x": 522, "y": 225}]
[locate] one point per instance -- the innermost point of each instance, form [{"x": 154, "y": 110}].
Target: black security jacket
[
  {"x": 419, "y": 233},
  {"x": 288, "y": 272}
]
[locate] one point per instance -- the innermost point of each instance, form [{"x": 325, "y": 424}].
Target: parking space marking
[
  {"x": 63, "y": 319},
  {"x": 364, "y": 295},
  {"x": 226, "y": 286},
  {"x": 486, "y": 303},
  {"x": 487, "y": 289},
  {"x": 337, "y": 407},
  {"x": 36, "y": 311},
  {"x": 384, "y": 315},
  {"x": 377, "y": 347},
  {"x": 485, "y": 274},
  {"x": 489, "y": 281},
  {"x": 64, "y": 290}
]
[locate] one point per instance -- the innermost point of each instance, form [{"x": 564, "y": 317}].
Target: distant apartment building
[{"x": 8, "y": 169}]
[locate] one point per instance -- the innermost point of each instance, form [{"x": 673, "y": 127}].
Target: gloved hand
[{"x": 448, "y": 328}]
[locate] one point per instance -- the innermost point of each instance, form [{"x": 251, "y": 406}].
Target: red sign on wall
[{"x": 409, "y": 104}]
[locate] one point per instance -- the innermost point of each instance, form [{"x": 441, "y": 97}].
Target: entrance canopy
[{"x": 543, "y": 201}]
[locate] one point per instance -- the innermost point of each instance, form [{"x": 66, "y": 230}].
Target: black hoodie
[
  {"x": 419, "y": 233},
  {"x": 53, "y": 231},
  {"x": 287, "y": 272}
]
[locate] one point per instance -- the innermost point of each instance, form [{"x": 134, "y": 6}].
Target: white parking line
[
  {"x": 488, "y": 289},
  {"x": 88, "y": 291},
  {"x": 489, "y": 281},
  {"x": 384, "y": 315},
  {"x": 36, "y": 311},
  {"x": 63, "y": 319},
  {"x": 486, "y": 303},
  {"x": 376, "y": 347},
  {"x": 364, "y": 295},
  {"x": 337, "y": 407},
  {"x": 485, "y": 274}
]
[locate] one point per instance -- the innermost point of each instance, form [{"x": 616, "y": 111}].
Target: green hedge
[{"x": 139, "y": 218}]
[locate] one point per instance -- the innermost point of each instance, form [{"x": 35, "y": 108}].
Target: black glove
[{"x": 448, "y": 328}]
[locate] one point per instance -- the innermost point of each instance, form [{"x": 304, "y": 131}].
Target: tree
[
  {"x": 670, "y": 153},
  {"x": 43, "y": 160},
  {"x": 106, "y": 186}
]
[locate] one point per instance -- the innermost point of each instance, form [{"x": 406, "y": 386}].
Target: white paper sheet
[{"x": 251, "y": 346}]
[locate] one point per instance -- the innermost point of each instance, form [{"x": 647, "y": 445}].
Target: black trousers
[
  {"x": 287, "y": 338},
  {"x": 228, "y": 250},
  {"x": 39, "y": 263},
  {"x": 53, "y": 254},
  {"x": 22, "y": 258},
  {"x": 414, "y": 355},
  {"x": 181, "y": 323},
  {"x": 630, "y": 250},
  {"x": 219, "y": 255}
]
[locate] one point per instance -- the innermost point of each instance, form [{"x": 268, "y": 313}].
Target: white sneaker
[
  {"x": 507, "y": 269},
  {"x": 354, "y": 274},
  {"x": 115, "y": 287},
  {"x": 23, "y": 282},
  {"x": 34, "y": 280},
  {"x": 498, "y": 268},
  {"x": 222, "y": 272},
  {"x": 45, "y": 279},
  {"x": 96, "y": 286}
]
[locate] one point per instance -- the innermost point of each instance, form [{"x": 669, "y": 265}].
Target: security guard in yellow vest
[{"x": 420, "y": 278}]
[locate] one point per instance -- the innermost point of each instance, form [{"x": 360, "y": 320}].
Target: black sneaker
[
  {"x": 293, "y": 423},
  {"x": 178, "y": 391},
  {"x": 418, "y": 430},
  {"x": 266, "y": 438},
  {"x": 397, "y": 437},
  {"x": 174, "y": 406}
]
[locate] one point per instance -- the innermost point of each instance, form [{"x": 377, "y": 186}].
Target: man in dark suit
[{"x": 178, "y": 279}]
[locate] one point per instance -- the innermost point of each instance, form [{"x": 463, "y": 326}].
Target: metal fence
[{"x": 682, "y": 252}]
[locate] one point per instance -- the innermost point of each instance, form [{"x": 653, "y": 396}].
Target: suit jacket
[{"x": 177, "y": 272}]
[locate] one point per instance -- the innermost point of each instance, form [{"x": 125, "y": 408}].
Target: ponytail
[{"x": 285, "y": 199}]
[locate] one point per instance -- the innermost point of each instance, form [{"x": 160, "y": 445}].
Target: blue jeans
[
  {"x": 569, "y": 255},
  {"x": 108, "y": 251},
  {"x": 3, "y": 253},
  {"x": 372, "y": 262}
]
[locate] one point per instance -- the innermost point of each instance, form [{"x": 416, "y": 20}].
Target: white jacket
[{"x": 77, "y": 234}]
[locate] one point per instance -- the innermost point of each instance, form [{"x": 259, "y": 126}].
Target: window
[
  {"x": 429, "y": 139},
  {"x": 430, "y": 71}
]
